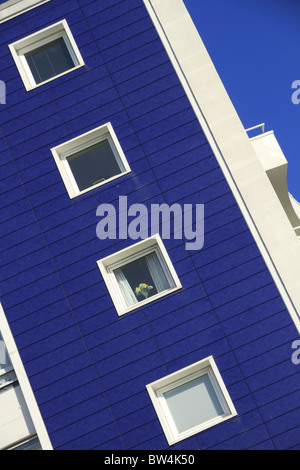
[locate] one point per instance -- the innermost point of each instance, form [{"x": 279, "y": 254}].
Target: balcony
[{"x": 275, "y": 165}]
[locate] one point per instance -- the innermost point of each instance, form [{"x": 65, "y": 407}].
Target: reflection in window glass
[
  {"x": 33, "y": 444},
  {"x": 142, "y": 279},
  {"x": 93, "y": 165},
  {"x": 4, "y": 357},
  {"x": 50, "y": 60},
  {"x": 7, "y": 374}
]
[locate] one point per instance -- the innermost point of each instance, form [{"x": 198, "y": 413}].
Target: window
[
  {"x": 46, "y": 55},
  {"x": 11, "y": 8},
  {"x": 139, "y": 274},
  {"x": 7, "y": 374},
  {"x": 29, "y": 444},
  {"x": 21, "y": 423},
  {"x": 90, "y": 160},
  {"x": 191, "y": 400},
  {"x": 15, "y": 421}
]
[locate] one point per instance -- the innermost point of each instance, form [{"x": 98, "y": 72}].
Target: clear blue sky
[{"x": 255, "y": 47}]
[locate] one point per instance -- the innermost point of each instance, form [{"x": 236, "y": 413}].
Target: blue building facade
[{"x": 87, "y": 366}]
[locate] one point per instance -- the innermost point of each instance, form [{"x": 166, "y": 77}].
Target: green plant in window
[{"x": 143, "y": 290}]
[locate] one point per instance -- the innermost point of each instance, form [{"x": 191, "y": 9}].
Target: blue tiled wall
[{"x": 87, "y": 366}]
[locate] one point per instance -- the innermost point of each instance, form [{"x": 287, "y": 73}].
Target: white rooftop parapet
[{"x": 275, "y": 165}]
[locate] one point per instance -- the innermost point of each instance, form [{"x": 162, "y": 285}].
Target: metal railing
[{"x": 259, "y": 126}]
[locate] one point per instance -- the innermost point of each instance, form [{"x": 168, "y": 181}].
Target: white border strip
[
  {"x": 24, "y": 382},
  {"x": 14, "y": 8},
  {"x": 230, "y": 143}
]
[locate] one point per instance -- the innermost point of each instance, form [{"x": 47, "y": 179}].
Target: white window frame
[
  {"x": 45, "y": 36},
  {"x": 109, "y": 264},
  {"x": 158, "y": 388},
  {"x": 65, "y": 150},
  {"x": 13, "y": 8}
]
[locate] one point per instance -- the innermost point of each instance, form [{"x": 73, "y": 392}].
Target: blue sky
[{"x": 255, "y": 47}]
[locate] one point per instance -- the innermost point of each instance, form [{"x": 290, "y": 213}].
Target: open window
[
  {"x": 90, "y": 160},
  {"x": 46, "y": 55},
  {"x": 139, "y": 274},
  {"x": 191, "y": 400}
]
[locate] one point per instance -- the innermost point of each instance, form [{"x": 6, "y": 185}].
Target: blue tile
[
  {"x": 261, "y": 328},
  {"x": 127, "y": 59},
  {"x": 79, "y": 91},
  {"x": 115, "y": 37},
  {"x": 77, "y": 396},
  {"x": 192, "y": 343},
  {"x": 19, "y": 236},
  {"x": 285, "y": 423},
  {"x": 91, "y": 8},
  {"x": 49, "y": 328},
  {"x": 39, "y": 21},
  {"x": 101, "y": 100},
  {"x": 265, "y": 445},
  {"x": 244, "y": 271},
  {"x": 108, "y": 435},
  {"x": 245, "y": 440},
  {"x": 152, "y": 108},
  {"x": 96, "y": 404},
  {"x": 253, "y": 315},
  {"x": 34, "y": 281},
  {"x": 134, "y": 71},
  {"x": 36, "y": 303},
  {"x": 102, "y": 28},
  {"x": 229, "y": 429},
  {"x": 31, "y": 119},
  {"x": 67, "y": 343},
  {"x": 288, "y": 439},
  {"x": 186, "y": 329},
  {"x": 81, "y": 427},
  {"x": 23, "y": 322},
  {"x": 145, "y": 37},
  {"x": 125, "y": 377},
  {"x": 266, "y": 343},
  {"x": 277, "y": 408},
  {"x": 147, "y": 85}
]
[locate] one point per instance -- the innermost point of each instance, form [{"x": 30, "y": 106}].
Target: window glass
[
  {"x": 33, "y": 444},
  {"x": 49, "y": 60},
  {"x": 7, "y": 375},
  {"x": 93, "y": 165},
  {"x": 193, "y": 403},
  {"x": 141, "y": 279},
  {"x": 4, "y": 357}
]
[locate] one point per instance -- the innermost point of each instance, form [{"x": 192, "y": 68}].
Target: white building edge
[{"x": 255, "y": 170}]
